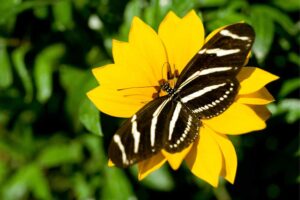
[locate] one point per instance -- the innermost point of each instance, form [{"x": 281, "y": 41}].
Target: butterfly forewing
[
  {"x": 142, "y": 135},
  {"x": 208, "y": 84},
  {"x": 226, "y": 52}
]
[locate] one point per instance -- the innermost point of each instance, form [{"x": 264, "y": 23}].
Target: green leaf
[
  {"x": 181, "y": 8},
  {"x": 133, "y": 8},
  {"x": 81, "y": 187},
  {"x": 94, "y": 144},
  {"x": 160, "y": 180},
  {"x": 276, "y": 15},
  {"x": 10, "y": 8},
  {"x": 28, "y": 179},
  {"x": 116, "y": 185},
  {"x": 89, "y": 117},
  {"x": 98, "y": 159},
  {"x": 264, "y": 31},
  {"x": 62, "y": 12},
  {"x": 41, "y": 12},
  {"x": 6, "y": 77},
  {"x": 20, "y": 66},
  {"x": 217, "y": 19},
  {"x": 294, "y": 58},
  {"x": 57, "y": 154},
  {"x": 43, "y": 69},
  {"x": 39, "y": 184},
  {"x": 211, "y": 3},
  {"x": 287, "y": 5},
  {"x": 76, "y": 90},
  {"x": 4, "y": 169},
  {"x": 7, "y": 9},
  {"x": 289, "y": 86},
  {"x": 290, "y": 107},
  {"x": 152, "y": 13}
]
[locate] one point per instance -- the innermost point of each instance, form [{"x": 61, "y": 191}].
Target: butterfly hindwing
[
  {"x": 208, "y": 98},
  {"x": 183, "y": 129}
]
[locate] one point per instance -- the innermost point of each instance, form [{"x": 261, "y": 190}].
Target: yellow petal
[
  {"x": 148, "y": 166},
  {"x": 175, "y": 159},
  {"x": 205, "y": 158},
  {"x": 229, "y": 156},
  {"x": 182, "y": 38},
  {"x": 253, "y": 79},
  {"x": 110, "y": 163},
  {"x": 150, "y": 47},
  {"x": 113, "y": 102},
  {"x": 260, "y": 97},
  {"x": 131, "y": 66},
  {"x": 237, "y": 119}
]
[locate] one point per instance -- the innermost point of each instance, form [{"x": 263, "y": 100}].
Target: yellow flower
[{"x": 139, "y": 63}]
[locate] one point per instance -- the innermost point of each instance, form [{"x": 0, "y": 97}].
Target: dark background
[{"x": 52, "y": 145}]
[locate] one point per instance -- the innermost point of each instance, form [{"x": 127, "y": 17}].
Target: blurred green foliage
[{"x": 50, "y": 134}]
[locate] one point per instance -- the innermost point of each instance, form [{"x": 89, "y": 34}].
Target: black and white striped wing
[
  {"x": 208, "y": 84},
  {"x": 183, "y": 128},
  {"x": 162, "y": 123},
  {"x": 140, "y": 137}
]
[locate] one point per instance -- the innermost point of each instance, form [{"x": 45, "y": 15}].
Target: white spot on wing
[
  {"x": 232, "y": 35},
  {"x": 118, "y": 141},
  {"x": 202, "y": 51},
  {"x": 215, "y": 69},
  {"x": 174, "y": 119},
  {"x": 154, "y": 121},
  {"x": 135, "y": 133},
  {"x": 188, "y": 126},
  {"x": 201, "y": 92},
  {"x": 201, "y": 73},
  {"x": 222, "y": 52}
]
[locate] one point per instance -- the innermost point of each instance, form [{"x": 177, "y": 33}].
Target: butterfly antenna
[
  {"x": 176, "y": 73},
  {"x": 154, "y": 86},
  {"x": 168, "y": 70}
]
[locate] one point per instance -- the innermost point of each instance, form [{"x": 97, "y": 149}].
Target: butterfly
[{"x": 205, "y": 88}]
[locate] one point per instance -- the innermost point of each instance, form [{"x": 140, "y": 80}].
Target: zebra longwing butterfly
[{"x": 206, "y": 87}]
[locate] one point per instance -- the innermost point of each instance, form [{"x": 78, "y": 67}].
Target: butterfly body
[{"x": 205, "y": 88}]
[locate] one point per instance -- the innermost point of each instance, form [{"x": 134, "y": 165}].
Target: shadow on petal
[
  {"x": 261, "y": 111},
  {"x": 260, "y": 97},
  {"x": 148, "y": 166},
  {"x": 229, "y": 165},
  {"x": 175, "y": 159}
]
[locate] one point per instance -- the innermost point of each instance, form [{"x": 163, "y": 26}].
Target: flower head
[{"x": 139, "y": 63}]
